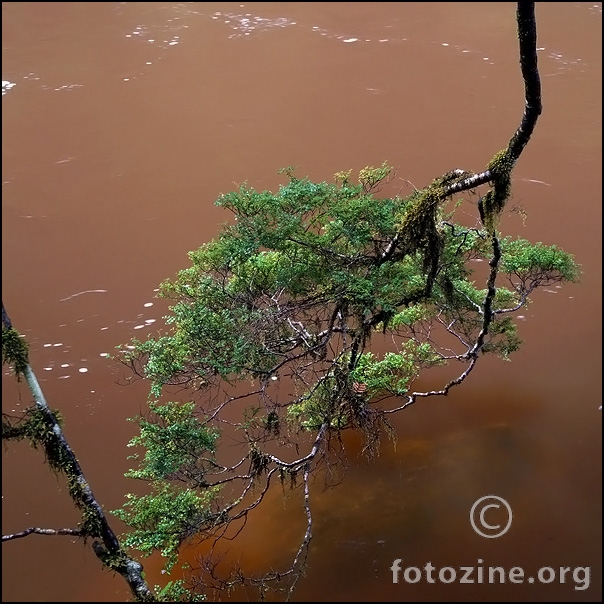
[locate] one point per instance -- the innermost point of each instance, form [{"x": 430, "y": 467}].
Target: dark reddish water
[{"x": 123, "y": 122}]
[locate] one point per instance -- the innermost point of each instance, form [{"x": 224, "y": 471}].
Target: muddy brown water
[{"x": 123, "y": 122}]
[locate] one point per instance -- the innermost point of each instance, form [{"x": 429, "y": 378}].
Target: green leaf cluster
[
  {"x": 174, "y": 441},
  {"x": 163, "y": 519},
  {"x": 176, "y": 591},
  {"x": 537, "y": 262},
  {"x": 15, "y": 350},
  {"x": 392, "y": 374}
]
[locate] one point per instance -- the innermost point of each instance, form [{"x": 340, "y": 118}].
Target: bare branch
[{"x": 42, "y": 531}]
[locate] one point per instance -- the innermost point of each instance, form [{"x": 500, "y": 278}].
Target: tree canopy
[{"x": 272, "y": 331}]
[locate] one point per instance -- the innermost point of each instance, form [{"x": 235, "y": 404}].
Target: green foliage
[
  {"x": 504, "y": 338},
  {"x": 537, "y": 263},
  {"x": 311, "y": 242},
  {"x": 174, "y": 441},
  {"x": 494, "y": 201},
  {"x": 176, "y": 591},
  {"x": 410, "y": 315},
  {"x": 280, "y": 309},
  {"x": 291, "y": 262},
  {"x": 370, "y": 177},
  {"x": 33, "y": 425},
  {"x": 392, "y": 374},
  {"x": 15, "y": 350},
  {"x": 162, "y": 520},
  {"x": 177, "y": 448},
  {"x": 321, "y": 405},
  {"x": 38, "y": 426}
]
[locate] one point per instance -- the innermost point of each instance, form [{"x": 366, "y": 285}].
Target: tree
[{"x": 275, "y": 330}]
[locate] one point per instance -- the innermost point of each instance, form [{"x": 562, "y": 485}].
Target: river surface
[{"x": 123, "y": 122}]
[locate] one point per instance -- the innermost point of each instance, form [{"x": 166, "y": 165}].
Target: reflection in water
[{"x": 123, "y": 122}]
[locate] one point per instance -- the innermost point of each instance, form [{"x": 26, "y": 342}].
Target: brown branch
[
  {"x": 109, "y": 551},
  {"x": 42, "y": 531},
  {"x": 527, "y": 37},
  {"x": 208, "y": 564},
  {"x": 412, "y": 398}
]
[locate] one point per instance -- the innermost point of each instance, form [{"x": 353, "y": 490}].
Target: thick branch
[
  {"x": 42, "y": 531},
  {"x": 109, "y": 552},
  {"x": 527, "y": 37}
]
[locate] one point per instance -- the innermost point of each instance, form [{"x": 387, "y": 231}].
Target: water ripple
[
  {"x": 6, "y": 86},
  {"x": 246, "y": 24}
]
